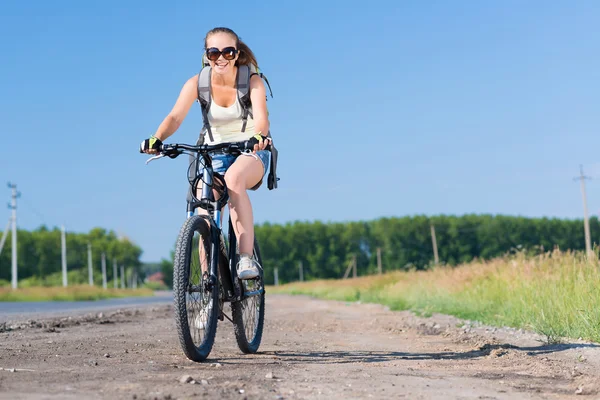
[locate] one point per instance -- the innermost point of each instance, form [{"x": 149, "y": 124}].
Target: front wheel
[
  {"x": 195, "y": 292},
  {"x": 249, "y": 313}
]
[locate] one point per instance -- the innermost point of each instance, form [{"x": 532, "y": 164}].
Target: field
[
  {"x": 556, "y": 294},
  {"x": 71, "y": 293}
]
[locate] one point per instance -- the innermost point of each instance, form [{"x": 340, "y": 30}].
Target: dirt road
[{"x": 311, "y": 349}]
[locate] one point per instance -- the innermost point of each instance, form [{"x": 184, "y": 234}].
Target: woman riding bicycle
[{"x": 225, "y": 52}]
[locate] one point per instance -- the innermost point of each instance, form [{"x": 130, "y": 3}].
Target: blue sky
[{"x": 381, "y": 108}]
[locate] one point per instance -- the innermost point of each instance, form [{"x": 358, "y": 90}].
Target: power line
[{"x": 34, "y": 210}]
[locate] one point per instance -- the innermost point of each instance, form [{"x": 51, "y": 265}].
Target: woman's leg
[
  {"x": 244, "y": 174},
  {"x": 220, "y": 165}
]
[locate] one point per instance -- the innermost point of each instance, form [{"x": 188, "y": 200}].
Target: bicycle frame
[
  {"x": 219, "y": 282},
  {"x": 224, "y": 268},
  {"x": 222, "y": 258}
]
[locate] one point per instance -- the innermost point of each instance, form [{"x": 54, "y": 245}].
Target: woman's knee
[{"x": 235, "y": 180}]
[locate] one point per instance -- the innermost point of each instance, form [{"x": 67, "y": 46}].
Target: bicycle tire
[
  {"x": 241, "y": 324},
  {"x": 182, "y": 272}
]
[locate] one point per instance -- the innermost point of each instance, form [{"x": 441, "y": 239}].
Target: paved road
[{"x": 19, "y": 310}]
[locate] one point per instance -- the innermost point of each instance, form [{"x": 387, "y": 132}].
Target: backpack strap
[
  {"x": 243, "y": 88},
  {"x": 246, "y": 72},
  {"x": 204, "y": 97},
  {"x": 243, "y": 92},
  {"x": 266, "y": 81}
]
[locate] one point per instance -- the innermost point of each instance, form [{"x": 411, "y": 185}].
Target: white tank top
[{"x": 226, "y": 123}]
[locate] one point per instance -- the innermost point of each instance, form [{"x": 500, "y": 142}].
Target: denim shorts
[{"x": 221, "y": 162}]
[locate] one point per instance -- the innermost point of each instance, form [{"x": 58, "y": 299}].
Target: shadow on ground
[{"x": 344, "y": 357}]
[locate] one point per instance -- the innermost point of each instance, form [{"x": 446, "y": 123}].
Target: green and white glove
[{"x": 152, "y": 143}]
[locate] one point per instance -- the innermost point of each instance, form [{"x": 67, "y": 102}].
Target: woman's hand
[
  {"x": 259, "y": 142},
  {"x": 150, "y": 145}
]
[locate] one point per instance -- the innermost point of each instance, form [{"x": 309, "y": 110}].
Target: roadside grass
[
  {"x": 71, "y": 293},
  {"x": 556, "y": 294}
]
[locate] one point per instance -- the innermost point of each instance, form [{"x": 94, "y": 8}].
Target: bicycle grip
[{"x": 253, "y": 141}]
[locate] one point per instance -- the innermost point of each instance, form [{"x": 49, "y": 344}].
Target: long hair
[{"x": 246, "y": 57}]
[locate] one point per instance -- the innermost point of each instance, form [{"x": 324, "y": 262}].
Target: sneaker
[
  {"x": 201, "y": 320},
  {"x": 247, "y": 268}
]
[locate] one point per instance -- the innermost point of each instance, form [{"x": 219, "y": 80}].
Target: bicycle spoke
[
  {"x": 250, "y": 312},
  {"x": 198, "y": 297}
]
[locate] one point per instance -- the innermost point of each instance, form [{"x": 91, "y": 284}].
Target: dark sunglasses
[{"x": 228, "y": 53}]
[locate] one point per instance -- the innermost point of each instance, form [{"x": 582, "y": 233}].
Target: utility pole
[
  {"x": 13, "y": 207},
  {"x": 122, "y": 277},
  {"x": 301, "y": 270},
  {"x": 276, "y": 272},
  {"x": 354, "y": 266},
  {"x": 130, "y": 280},
  {"x": 90, "y": 269},
  {"x": 586, "y": 222},
  {"x": 349, "y": 268},
  {"x": 103, "y": 271},
  {"x": 434, "y": 242},
  {"x": 63, "y": 245},
  {"x": 135, "y": 278},
  {"x": 115, "y": 274},
  {"x": 379, "y": 266}
]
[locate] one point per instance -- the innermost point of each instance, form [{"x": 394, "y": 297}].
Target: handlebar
[
  {"x": 204, "y": 148},
  {"x": 176, "y": 149}
]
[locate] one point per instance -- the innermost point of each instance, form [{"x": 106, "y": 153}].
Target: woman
[{"x": 225, "y": 52}]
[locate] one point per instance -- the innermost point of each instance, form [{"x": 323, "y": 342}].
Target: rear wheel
[
  {"x": 249, "y": 313},
  {"x": 195, "y": 293}
]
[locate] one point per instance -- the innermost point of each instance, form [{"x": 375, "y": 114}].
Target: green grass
[
  {"x": 71, "y": 293},
  {"x": 74, "y": 278},
  {"x": 155, "y": 286},
  {"x": 555, "y": 294}
]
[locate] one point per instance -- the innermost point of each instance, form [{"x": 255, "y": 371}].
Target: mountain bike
[{"x": 204, "y": 270}]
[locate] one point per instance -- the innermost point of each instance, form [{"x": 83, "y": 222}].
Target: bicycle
[{"x": 201, "y": 293}]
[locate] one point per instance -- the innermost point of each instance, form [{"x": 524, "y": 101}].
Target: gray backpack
[{"x": 244, "y": 74}]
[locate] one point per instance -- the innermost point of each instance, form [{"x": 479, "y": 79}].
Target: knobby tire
[{"x": 183, "y": 273}]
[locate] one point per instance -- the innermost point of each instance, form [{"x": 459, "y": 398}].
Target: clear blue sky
[{"x": 381, "y": 108}]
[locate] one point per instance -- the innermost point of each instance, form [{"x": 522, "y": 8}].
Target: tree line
[
  {"x": 326, "y": 249},
  {"x": 39, "y": 254}
]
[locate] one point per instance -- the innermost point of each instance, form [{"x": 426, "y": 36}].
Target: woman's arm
[
  {"x": 258, "y": 97},
  {"x": 187, "y": 96}
]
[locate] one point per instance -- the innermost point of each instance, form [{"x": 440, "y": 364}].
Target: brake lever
[{"x": 154, "y": 158}]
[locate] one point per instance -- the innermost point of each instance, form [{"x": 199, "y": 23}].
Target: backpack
[{"x": 244, "y": 73}]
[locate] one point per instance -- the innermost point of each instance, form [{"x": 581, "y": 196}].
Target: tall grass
[
  {"x": 556, "y": 294},
  {"x": 71, "y": 293}
]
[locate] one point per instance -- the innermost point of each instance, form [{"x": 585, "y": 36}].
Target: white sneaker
[
  {"x": 201, "y": 320},
  {"x": 247, "y": 268}
]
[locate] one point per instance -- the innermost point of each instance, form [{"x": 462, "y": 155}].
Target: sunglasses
[{"x": 228, "y": 53}]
